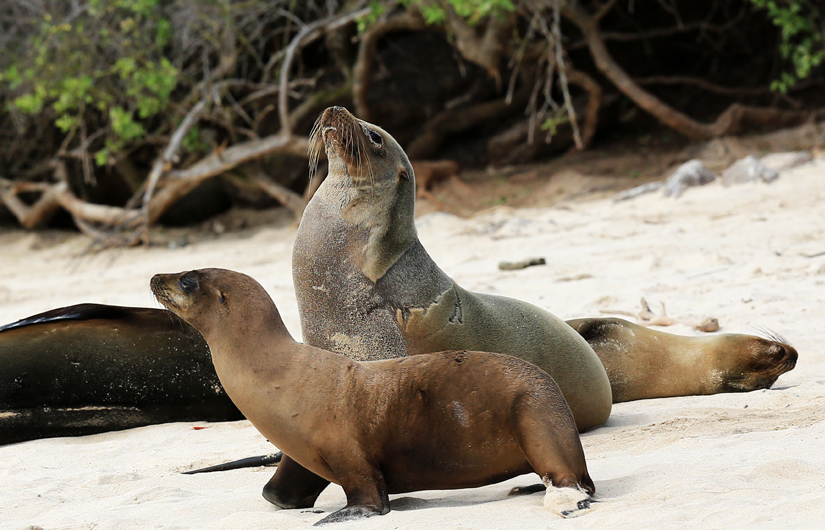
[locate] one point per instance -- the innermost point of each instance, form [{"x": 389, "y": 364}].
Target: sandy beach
[{"x": 751, "y": 255}]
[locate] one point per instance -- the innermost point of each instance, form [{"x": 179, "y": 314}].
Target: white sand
[{"x": 753, "y": 460}]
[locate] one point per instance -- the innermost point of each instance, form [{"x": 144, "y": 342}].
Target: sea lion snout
[
  {"x": 160, "y": 286},
  {"x": 787, "y": 355},
  {"x": 175, "y": 291},
  {"x": 773, "y": 356}
]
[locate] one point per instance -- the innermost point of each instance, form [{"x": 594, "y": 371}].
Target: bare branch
[
  {"x": 485, "y": 50},
  {"x": 568, "y": 101},
  {"x": 594, "y": 102},
  {"x": 164, "y": 162},
  {"x": 183, "y": 181},
  {"x": 454, "y": 121},
  {"x": 308, "y": 33},
  {"x": 603, "y": 10},
  {"x": 30, "y": 216},
  {"x": 703, "y": 84},
  {"x": 729, "y": 122},
  {"x": 362, "y": 71},
  {"x": 282, "y": 194}
]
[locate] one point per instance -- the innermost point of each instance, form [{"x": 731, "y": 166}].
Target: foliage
[
  {"x": 105, "y": 62},
  {"x": 474, "y": 11},
  {"x": 801, "y": 24}
]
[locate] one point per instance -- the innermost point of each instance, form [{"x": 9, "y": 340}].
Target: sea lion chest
[{"x": 339, "y": 307}]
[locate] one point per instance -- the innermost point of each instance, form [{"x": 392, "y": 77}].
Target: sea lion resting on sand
[
  {"x": 447, "y": 420},
  {"x": 93, "y": 368}
]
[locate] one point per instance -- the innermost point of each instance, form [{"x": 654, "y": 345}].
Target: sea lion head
[
  {"x": 214, "y": 300},
  {"x": 755, "y": 362},
  {"x": 370, "y": 185},
  {"x": 362, "y": 152}
]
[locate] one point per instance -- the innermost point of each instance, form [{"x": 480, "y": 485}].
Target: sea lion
[
  {"x": 644, "y": 363},
  {"x": 92, "y": 368},
  {"x": 446, "y": 420},
  {"x": 367, "y": 288}
]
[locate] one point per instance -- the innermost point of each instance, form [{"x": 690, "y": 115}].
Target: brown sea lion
[
  {"x": 92, "y": 368},
  {"x": 446, "y": 420},
  {"x": 644, "y": 363}
]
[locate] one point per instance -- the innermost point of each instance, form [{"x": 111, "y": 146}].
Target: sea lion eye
[
  {"x": 375, "y": 138},
  {"x": 404, "y": 175},
  {"x": 188, "y": 282}
]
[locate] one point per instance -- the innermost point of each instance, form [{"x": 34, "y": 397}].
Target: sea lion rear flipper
[
  {"x": 72, "y": 312},
  {"x": 293, "y": 486},
  {"x": 251, "y": 461}
]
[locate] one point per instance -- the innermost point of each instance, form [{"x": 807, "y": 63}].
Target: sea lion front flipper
[
  {"x": 366, "y": 493},
  {"x": 293, "y": 486}
]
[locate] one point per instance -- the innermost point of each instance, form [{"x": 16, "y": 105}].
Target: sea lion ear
[{"x": 221, "y": 297}]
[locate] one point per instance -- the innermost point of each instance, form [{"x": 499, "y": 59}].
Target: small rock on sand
[
  {"x": 691, "y": 173},
  {"x": 746, "y": 170}
]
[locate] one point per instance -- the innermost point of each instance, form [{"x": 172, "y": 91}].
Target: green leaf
[
  {"x": 102, "y": 157},
  {"x": 66, "y": 122},
  {"x": 29, "y": 103}
]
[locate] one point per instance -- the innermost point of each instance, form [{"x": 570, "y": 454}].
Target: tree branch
[
  {"x": 454, "y": 121},
  {"x": 703, "y": 84},
  {"x": 485, "y": 50},
  {"x": 594, "y": 102},
  {"x": 308, "y": 33},
  {"x": 409, "y": 19},
  {"x": 282, "y": 194},
  {"x": 729, "y": 122},
  {"x": 164, "y": 162}
]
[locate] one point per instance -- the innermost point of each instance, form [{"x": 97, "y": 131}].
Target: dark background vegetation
[{"x": 116, "y": 115}]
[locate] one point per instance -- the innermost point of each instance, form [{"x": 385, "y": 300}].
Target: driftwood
[
  {"x": 646, "y": 317},
  {"x": 112, "y": 225}
]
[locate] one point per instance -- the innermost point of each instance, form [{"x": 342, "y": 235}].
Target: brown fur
[
  {"x": 439, "y": 421},
  {"x": 645, "y": 363}
]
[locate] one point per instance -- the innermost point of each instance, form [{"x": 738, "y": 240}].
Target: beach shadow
[{"x": 457, "y": 498}]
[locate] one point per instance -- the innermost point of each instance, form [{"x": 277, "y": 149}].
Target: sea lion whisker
[
  {"x": 316, "y": 143},
  {"x": 770, "y": 334}
]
